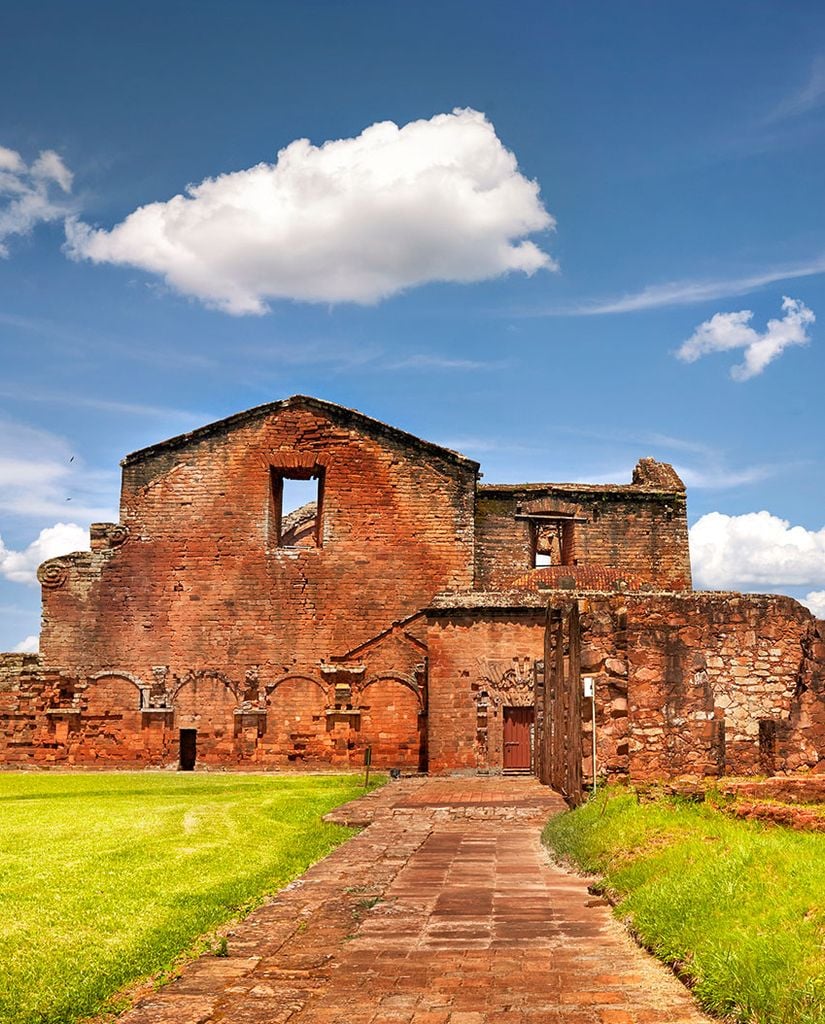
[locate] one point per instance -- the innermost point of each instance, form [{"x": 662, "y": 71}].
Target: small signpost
[
  {"x": 590, "y": 691},
  {"x": 367, "y": 763}
]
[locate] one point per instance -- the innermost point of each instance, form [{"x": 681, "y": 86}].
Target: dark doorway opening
[
  {"x": 518, "y": 728},
  {"x": 188, "y": 749}
]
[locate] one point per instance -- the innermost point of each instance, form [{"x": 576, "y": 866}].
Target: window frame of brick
[
  {"x": 277, "y": 475},
  {"x": 566, "y": 527}
]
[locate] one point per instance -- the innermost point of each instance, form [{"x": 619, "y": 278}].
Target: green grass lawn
[
  {"x": 738, "y": 907},
  {"x": 107, "y": 878}
]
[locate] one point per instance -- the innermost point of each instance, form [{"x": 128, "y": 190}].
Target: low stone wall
[
  {"x": 803, "y": 819},
  {"x": 805, "y": 789},
  {"x": 702, "y": 684}
]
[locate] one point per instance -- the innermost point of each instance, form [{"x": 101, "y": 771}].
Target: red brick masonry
[{"x": 402, "y": 610}]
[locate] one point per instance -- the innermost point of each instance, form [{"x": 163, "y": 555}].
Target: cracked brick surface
[{"x": 431, "y": 915}]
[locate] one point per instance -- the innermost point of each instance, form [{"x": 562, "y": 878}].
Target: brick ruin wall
[
  {"x": 188, "y": 615},
  {"x": 695, "y": 684},
  {"x": 641, "y": 532},
  {"x": 481, "y": 661},
  {"x": 700, "y": 684}
]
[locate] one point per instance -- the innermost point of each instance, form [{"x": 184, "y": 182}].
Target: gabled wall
[
  {"x": 196, "y": 580},
  {"x": 188, "y": 615}
]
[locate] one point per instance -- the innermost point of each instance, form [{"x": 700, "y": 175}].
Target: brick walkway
[{"x": 445, "y": 910}]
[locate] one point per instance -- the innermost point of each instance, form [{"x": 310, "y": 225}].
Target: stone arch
[
  {"x": 404, "y": 680},
  {"x": 392, "y": 721},
  {"x": 114, "y": 697},
  {"x": 205, "y": 700},
  {"x": 271, "y": 687},
  {"x": 109, "y": 728},
  {"x": 205, "y": 674},
  {"x": 296, "y": 719}
]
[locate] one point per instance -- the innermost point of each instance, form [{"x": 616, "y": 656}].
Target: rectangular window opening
[
  {"x": 553, "y": 543},
  {"x": 297, "y": 500}
]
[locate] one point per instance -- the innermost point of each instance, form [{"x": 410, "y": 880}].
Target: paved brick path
[{"x": 445, "y": 910}]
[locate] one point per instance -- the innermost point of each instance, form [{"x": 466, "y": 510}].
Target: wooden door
[{"x": 517, "y": 729}]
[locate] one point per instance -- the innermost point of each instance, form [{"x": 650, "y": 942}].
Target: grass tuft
[
  {"x": 738, "y": 908},
  {"x": 108, "y": 878}
]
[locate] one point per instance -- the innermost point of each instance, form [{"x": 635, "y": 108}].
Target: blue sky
[{"x": 678, "y": 148}]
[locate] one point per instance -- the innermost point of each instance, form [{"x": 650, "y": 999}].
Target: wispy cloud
[
  {"x": 810, "y": 96},
  {"x": 685, "y": 292},
  {"x": 424, "y": 361},
  {"x": 337, "y": 356},
  {"x": 42, "y": 477},
  {"x": 15, "y": 609},
  {"x": 709, "y": 469},
  {"x": 701, "y": 466},
  {"x": 88, "y": 340},
  {"x": 484, "y": 445},
  {"x": 718, "y": 478},
  {"x": 106, "y": 405},
  {"x": 326, "y": 352}
]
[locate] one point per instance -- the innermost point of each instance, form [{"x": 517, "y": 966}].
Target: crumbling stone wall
[
  {"x": 718, "y": 674},
  {"x": 800, "y": 742},
  {"x": 703, "y": 684},
  {"x": 21, "y": 706},
  {"x": 603, "y": 657}
]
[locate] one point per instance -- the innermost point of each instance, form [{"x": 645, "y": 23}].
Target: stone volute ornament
[
  {"x": 53, "y": 574},
  {"x": 107, "y": 535}
]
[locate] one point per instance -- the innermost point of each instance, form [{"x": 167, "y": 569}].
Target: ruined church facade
[{"x": 406, "y": 607}]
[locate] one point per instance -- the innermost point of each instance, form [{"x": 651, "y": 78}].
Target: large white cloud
[
  {"x": 30, "y": 645},
  {"x": 60, "y": 539},
  {"x": 755, "y": 550},
  {"x": 726, "y": 331},
  {"x": 27, "y": 193},
  {"x": 815, "y": 600},
  {"x": 352, "y": 220}
]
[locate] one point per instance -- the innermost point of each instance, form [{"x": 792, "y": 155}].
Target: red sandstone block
[{"x": 616, "y": 1017}]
